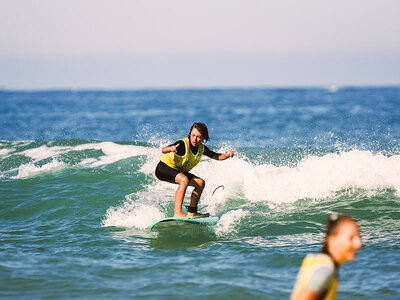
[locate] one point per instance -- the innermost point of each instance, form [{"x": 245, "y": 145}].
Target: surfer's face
[
  {"x": 346, "y": 242},
  {"x": 195, "y": 137}
]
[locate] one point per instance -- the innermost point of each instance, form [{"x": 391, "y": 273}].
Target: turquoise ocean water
[{"x": 78, "y": 193}]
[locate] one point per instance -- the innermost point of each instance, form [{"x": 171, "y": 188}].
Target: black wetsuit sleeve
[
  {"x": 208, "y": 152},
  {"x": 180, "y": 150}
]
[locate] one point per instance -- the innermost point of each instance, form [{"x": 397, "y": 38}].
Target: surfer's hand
[
  {"x": 229, "y": 153},
  {"x": 173, "y": 148}
]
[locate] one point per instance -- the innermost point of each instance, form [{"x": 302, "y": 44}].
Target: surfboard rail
[{"x": 203, "y": 221}]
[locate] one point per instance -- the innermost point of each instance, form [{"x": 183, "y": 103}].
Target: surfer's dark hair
[
  {"x": 332, "y": 227},
  {"x": 202, "y": 128}
]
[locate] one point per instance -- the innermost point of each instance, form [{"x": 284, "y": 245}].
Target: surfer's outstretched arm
[{"x": 223, "y": 156}]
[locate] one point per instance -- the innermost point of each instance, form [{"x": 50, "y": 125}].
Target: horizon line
[{"x": 331, "y": 87}]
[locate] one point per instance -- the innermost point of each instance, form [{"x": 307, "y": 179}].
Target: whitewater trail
[{"x": 313, "y": 177}]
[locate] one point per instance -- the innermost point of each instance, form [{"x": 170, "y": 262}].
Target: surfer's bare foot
[
  {"x": 181, "y": 215},
  {"x": 197, "y": 215}
]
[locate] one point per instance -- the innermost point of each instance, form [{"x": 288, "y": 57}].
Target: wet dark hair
[
  {"x": 332, "y": 227},
  {"x": 202, "y": 128}
]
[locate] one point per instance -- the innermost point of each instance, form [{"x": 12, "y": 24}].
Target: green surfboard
[{"x": 201, "y": 221}]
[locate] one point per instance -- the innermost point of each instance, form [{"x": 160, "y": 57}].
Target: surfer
[
  {"x": 176, "y": 162},
  {"x": 318, "y": 275}
]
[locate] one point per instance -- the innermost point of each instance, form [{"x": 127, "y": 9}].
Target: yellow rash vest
[
  {"x": 318, "y": 273},
  {"x": 186, "y": 162}
]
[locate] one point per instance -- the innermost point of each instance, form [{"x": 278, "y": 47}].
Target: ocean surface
[{"x": 78, "y": 193}]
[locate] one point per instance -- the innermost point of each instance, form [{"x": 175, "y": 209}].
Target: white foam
[
  {"x": 112, "y": 152},
  {"x": 4, "y": 152},
  {"x": 318, "y": 177},
  {"x": 139, "y": 210},
  {"x": 30, "y": 169},
  {"x": 140, "y": 217},
  {"x": 88, "y": 162},
  {"x": 229, "y": 220},
  {"x": 227, "y": 173},
  {"x": 315, "y": 177},
  {"x": 44, "y": 152}
]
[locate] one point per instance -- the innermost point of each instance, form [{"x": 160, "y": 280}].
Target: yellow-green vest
[
  {"x": 310, "y": 263},
  {"x": 186, "y": 162}
]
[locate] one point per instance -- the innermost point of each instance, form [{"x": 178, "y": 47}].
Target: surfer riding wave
[{"x": 176, "y": 162}]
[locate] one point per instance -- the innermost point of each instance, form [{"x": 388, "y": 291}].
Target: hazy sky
[{"x": 135, "y": 44}]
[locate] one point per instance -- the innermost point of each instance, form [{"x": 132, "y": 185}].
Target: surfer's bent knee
[{"x": 182, "y": 179}]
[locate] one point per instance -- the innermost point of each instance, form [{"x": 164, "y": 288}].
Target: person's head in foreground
[{"x": 317, "y": 278}]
